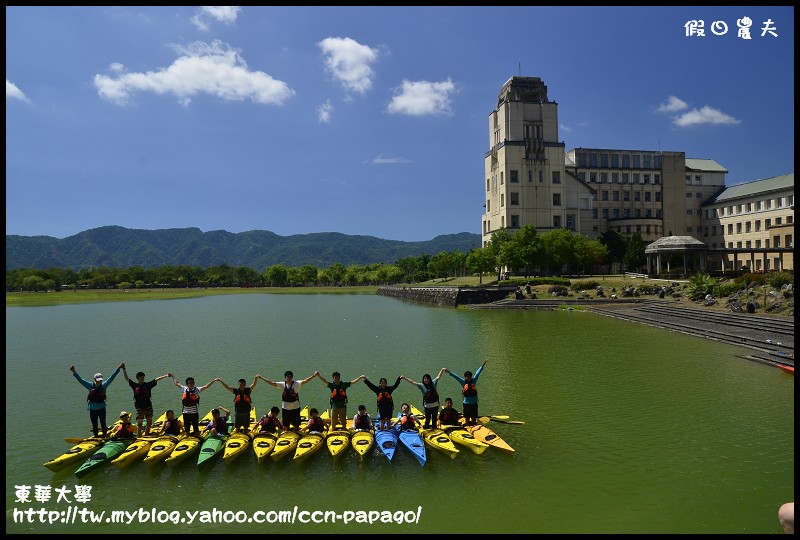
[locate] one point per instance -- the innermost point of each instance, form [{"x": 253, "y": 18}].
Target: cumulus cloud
[
  {"x": 705, "y": 115},
  {"x": 380, "y": 160},
  {"x": 324, "y": 112},
  {"x": 422, "y": 97},
  {"x": 562, "y": 127},
  {"x": 673, "y": 104},
  {"x": 350, "y": 62},
  {"x": 13, "y": 92},
  {"x": 207, "y": 14},
  {"x": 214, "y": 68}
]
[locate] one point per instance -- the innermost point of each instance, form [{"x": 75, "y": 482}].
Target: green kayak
[
  {"x": 107, "y": 452},
  {"x": 212, "y": 446}
]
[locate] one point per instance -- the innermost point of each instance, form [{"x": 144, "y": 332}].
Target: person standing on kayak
[
  {"x": 141, "y": 399},
  {"x": 470, "y": 393},
  {"x": 190, "y": 399},
  {"x": 430, "y": 397},
  {"x": 338, "y": 397},
  {"x": 96, "y": 400},
  {"x": 449, "y": 416},
  {"x": 290, "y": 399},
  {"x": 385, "y": 401},
  {"x": 242, "y": 403}
]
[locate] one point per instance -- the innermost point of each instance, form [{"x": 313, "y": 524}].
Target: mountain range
[{"x": 119, "y": 247}]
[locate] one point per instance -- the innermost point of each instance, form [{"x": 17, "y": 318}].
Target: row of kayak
[{"x": 172, "y": 450}]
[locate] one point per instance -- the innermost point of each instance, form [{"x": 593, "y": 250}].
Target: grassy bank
[{"x": 30, "y": 299}]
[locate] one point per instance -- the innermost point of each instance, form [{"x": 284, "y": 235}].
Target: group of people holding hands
[{"x": 290, "y": 403}]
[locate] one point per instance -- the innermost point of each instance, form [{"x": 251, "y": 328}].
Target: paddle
[{"x": 485, "y": 419}]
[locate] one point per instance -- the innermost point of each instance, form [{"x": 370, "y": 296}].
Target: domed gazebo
[{"x": 690, "y": 247}]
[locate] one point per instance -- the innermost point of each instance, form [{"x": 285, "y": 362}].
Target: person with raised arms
[
  {"x": 96, "y": 400},
  {"x": 470, "y": 392},
  {"x": 290, "y": 397},
  {"x": 242, "y": 403},
  {"x": 430, "y": 397},
  {"x": 190, "y": 399},
  {"x": 142, "y": 391},
  {"x": 338, "y": 398},
  {"x": 385, "y": 402}
]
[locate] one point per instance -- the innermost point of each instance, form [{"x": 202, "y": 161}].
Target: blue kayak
[
  {"x": 412, "y": 440},
  {"x": 387, "y": 441}
]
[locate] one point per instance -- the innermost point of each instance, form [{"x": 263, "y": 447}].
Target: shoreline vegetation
[{"x": 608, "y": 282}]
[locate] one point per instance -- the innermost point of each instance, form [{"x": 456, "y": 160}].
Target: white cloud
[
  {"x": 213, "y": 68},
  {"x": 422, "y": 97},
  {"x": 13, "y": 92},
  {"x": 564, "y": 128},
  {"x": 706, "y": 115},
  {"x": 350, "y": 62},
  {"x": 585, "y": 123},
  {"x": 673, "y": 104},
  {"x": 380, "y": 160},
  {"x": 324, "y": 112},
  {"x": 224, "y": 14}
]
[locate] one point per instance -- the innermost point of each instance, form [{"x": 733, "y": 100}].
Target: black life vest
[
  {"x": 289, "y": 395},
  {"x": 316, "y": 424},
  {"x": 269, "y": 424},
  {"x": 190, "y": 398},
  {"x": 141, "y": 392},
  {"x": 338, "y": 394},
  {"x": 96, "y": 395},
  {"x": 241, "y": 396},
  {"x": 221, "y": 425},
  {"x": 385, "y": 398},
  {"x": 469, "y": 390},
  {"x": 362, "y": 421},
  {"x": 431, "y": 395},
  {"x": 449, "y": 417},
  {"x": 172, "y": 427}
]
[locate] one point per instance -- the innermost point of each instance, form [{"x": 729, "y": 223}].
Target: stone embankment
[{"x": 448, "y": 296}]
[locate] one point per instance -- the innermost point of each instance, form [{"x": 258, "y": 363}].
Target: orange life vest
[
  {"x": 242, "y": 396},
  {"x": 407, "y": 421},
  {"x": 469, "y": 390},
  {"x": 384, "y": 397},
  {"x": 190, "y": 398}
]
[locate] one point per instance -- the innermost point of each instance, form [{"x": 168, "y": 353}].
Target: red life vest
[
  {"x": 316, "y": 424},
  {"x": 190, "y": 398},
  {"x": 469, "y": 390},
  {"x": 96, "y": 395},
  {"x": 269, "y": 424},
  {"x": 362, "y": 421},
  {"x": 431, "y": 396},
  {"x": 449, "y": 417},
  {"x": 289, "y": 395},
  {"x": 338, "y": 394},
  {"x": 384, "y": 397},
  {"x": 172, "y": 427}
]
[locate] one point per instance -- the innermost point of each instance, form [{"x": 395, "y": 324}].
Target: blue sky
[{"x": 365, "y": 121}]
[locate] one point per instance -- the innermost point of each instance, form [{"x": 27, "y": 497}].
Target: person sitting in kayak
[
  {"x": 219, "y": 423},
  {"x": 270, "y": 423},
  {"x": 141, "y": 399},
  {"x": 190, "y": 399},
  {"x": 405, "y": 419},
  {"x": 125, "y": 428},
  {"x": 290, "y": 398},
  {"x": 470, "y": 393},
  {"x": 338, "y": 397},
  {"x": 430, "y": 397},
  {"x": 173, "y": 426},
  {"x": 385, "y": 402},
  {"x": 96, "y": 400},
  {"x": 315, "y": 422},
  {"x": 242, "y": 403},
  {"x": 362, "y": 421},
  {"x": 448, "y": 415}
]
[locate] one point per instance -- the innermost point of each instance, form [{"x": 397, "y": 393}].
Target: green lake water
[{"x": 628, "y": 428}]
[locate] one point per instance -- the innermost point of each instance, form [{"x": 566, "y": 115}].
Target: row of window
[
  {"x": 627, "y": 229},
  {"x": 748, "y": 244},
  {"x": 513, "y": 177},
  {"x": 619, "y": 178},
  {"x": 626, "y": 196},
  {"x": 697, "y": 179},
  {"x": 746, "y": 208},
  {"x": 628, "y": 161},
  {"x": 749, "y": 226}
]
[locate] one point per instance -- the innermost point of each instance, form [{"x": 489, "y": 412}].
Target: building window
[
  {"x": 647, "y": 229},
  {"x": 749, "y": 207},
  {"x": 556, "y": 177},
  {"x": 605, "y": 213},
  {"x": 656, "y": 178},
  {"x": 556, "y": 199},
  {"x": 615, "y": 161},
  {"x": 767, "y": 223},
  {"x": 581, "y": 159},
  {"x": 514, "y": 198},
  {"x": 658, "y": 196},
  {"x": 758, "y": 243},
  {"x": 788, "y": 240},
  {"x": 637, "y": 196},
  {"x": 592, "y": 177},
  {"x": 604, "y": 196},
  {"x": 689, "y": 229},
  {"x": 582, "y": 176},
  {"x": 594, "y": 213},
  {"x": 514, "y": 222},
  {"x": 514, "y": 179},
  {"x": 730, "y": 245},
  {"x": 592, "y": 160},
  {"x": 626, "y": 161},
  {"x": 615, "y": 195},
  {"x": 556, "y": 222},
  {"x": 603, "y": 177},
  {"x": 502, "y": 222},
  {"x": 626, "y": 195},
  {"x": 739, "y": 228},
  {"x": 689, "y": 212},
  {"x": 603, "y": 163},
  {"x": 779, "y": 202},
  {"x": 648, "y": 213},
  {"x": 626, "y": 178},
  {"x": 488, "y": 205},
  {"x": 615, "y": 213},
  {"x": 502, "y": 200},
  {"x": 636, "y": 161},
  {"x": 530, "y": 176},
  {"x": 748, "y": 227},
  {"x": 776, "y": 241},
  {"x": 626, "y": 213},
  {"x": 758, "y": 225},
  {"x": 502, "y": 177},
  {"x": 713, "y": 230},
  {"x": 594, "y": 196},
  {"x": 487, "y": 184},
  {"x": 635, "y": 178},
  {"x": 789, "y": 219},
  {"x": 628, "y": 228},
  {"x": 730, "y": 228},
  {"x": 658, "y": 216},
  {"x": 688, "y": 194},
  {"x": 688, "y": 179},
  {"x": 571, "y": 222},
  {"x": 699, "y": 195},
  {"x": 646, "y": 178},
  {"x": 778, "y": 221},
  {"x": 541, "y": 176},
  {"x": 595, "y": 228},
  {"x": 615, "y": 177},
  {"x": 646, "y": 159},
  {"x": 747, "y": 244},
  {"x": 697, "y": 179}
]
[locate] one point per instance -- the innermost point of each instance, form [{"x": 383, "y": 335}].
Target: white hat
[{"x": 98, "y": 376}]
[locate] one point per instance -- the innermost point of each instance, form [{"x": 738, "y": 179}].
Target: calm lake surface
[{"x": 628, "y": 428}]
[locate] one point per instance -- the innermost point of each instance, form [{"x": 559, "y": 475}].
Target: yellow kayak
[
  {"x": 77, "y": 453},
  {"x": 337, "y": 442},
  {"x": 190, "y": 444},
  {"x": 161, "y": 449},
  {"x": 486, "y": 435},
  {"x": 462, "y": 437},
  {"x": 263, "y": 444},
  {"x": 440, "y": 440},
  {"x": 362, "y": 442},
  {"x": 141, "y": 446},
  {"x": 239, "y": 442},
  {"x": 308, "y": 445},
  {"x": 287, "y": 440}
]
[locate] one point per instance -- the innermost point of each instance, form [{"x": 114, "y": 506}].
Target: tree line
[{"x": 525, "y": 252}]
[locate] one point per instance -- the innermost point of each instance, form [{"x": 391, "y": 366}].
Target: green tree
[
  {"x": 481, "y": 260},
  {"x": 276, "y": 275},
  {"x": 634, "y": 254},
  {"x": 588, "y": 252},
  {"x": 558, "y": 247},
  {"x": 495, "y": 243},
  {"x": 616, "y": 244}
]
